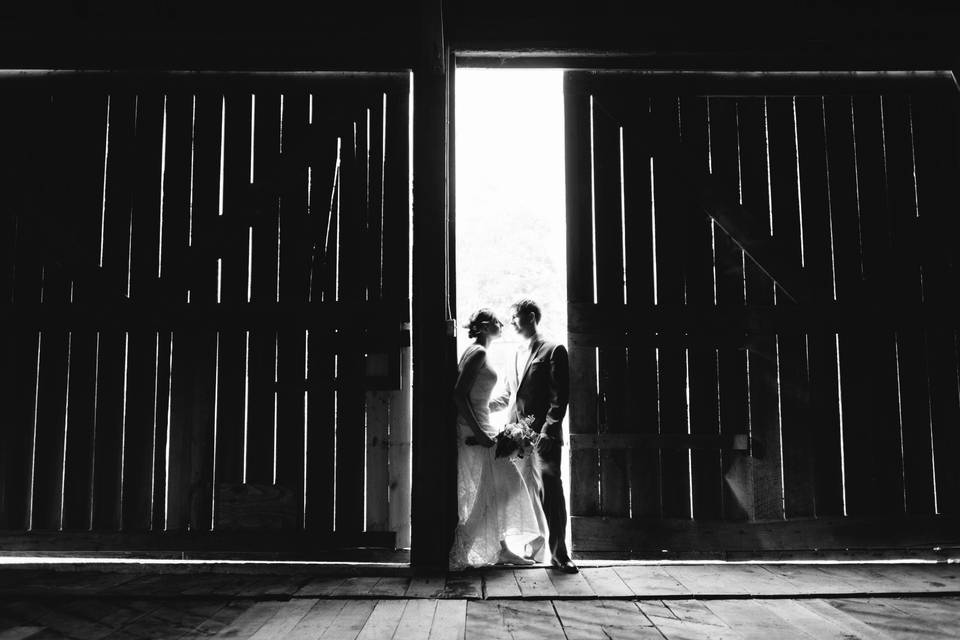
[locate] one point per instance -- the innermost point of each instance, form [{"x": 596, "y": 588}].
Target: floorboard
[
  {"x": 676, "y": 602},
  {"x": 501, "y": 583},
  {"x": 349, "y": 620},
  {"x": 752, "y": 621},
  {"x": 417, "y": 620},
  {"x": 316, "y": 622},
  {"x": 535, "y": 584},
  {"x": 606, "y": 583},
  {"x": 383, "y": 621},
  {"x": 450, "y": 620},
  {"x": 431, "y": 586}
]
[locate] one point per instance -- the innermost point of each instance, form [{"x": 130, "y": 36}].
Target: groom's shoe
[{"x": 564, "y": 566}]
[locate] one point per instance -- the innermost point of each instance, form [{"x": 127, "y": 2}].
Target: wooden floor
[{"x": 623, "y": 601}]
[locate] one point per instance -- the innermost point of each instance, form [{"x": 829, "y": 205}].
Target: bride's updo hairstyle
[{"x": 480, "y": 319}]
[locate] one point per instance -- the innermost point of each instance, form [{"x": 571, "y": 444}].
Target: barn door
[
  {"x": 759, "y": 272},
  {"x": 204, "y": 289}
]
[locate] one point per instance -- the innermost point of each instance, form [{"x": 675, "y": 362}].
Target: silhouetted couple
[{"x": 509, "y": 504}]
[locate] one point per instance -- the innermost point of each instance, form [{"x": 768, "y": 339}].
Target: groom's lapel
[{"x": 533, "y": 355}]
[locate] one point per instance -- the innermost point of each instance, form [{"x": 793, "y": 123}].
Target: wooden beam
[
  {"x": 728, "y": 441},
  {"x": 287, "y": 544},
  {"x": 434, "y": 362},
  {"x": 595, "y": 324},
  {"x": 641, "y": 536}
]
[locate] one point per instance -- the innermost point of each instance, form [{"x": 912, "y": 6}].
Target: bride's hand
[{"x": 471, "y": 441}]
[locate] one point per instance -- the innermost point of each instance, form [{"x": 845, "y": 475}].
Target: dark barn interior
[{"x": 226, "y": 273}]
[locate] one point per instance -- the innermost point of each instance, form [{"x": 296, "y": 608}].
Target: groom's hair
[{"x": 525, "y": 306}]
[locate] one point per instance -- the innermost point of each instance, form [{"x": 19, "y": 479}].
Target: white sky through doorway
[
  {"x": 510, "y": 206},
  {"x": 510, "y": 199}
]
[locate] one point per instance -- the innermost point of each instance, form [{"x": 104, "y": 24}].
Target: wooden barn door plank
[
  {"x": 396, "y": 290},
  {"x": 324, "y": 155},
  {"x": 611, "y": 360},
  {"x": 762, "y": 354},
  {"x": 144, "y": 368},
  {"x": 112, "y": 347},
  {"x": 26, "y": 282},
  {"x": 233, "y": 234},
  {"x": 796, "y": 419},
  {"x": 263, "y": 209},
  {"x": 584, "y": 494},
  {"x": 882, "y": 437},
  {"x": 84, "y": 148},
  {"x": 706, "y": 479},
  {"x": 181, "y": 349},
  {"x": 935, "y": 135},
  {"x": 351, "y": 396},
  {"x": 738, "y": 500},
  {"x": 641, "y": 399},
  {"x": 814, "y": 197},
  {"x": 195, "y": 351},
  {"x": 53, "y": 212},
  {"x": 670, "y": 228},
  {"x": 294, "y": 282},
  {"x": 376, "y": 441},
  {"x": 871, "y": 466}
]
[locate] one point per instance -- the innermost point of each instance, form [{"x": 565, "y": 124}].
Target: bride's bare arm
[{"x": 461, "y": 395}]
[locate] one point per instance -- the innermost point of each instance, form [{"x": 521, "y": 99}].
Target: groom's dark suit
[{"x": 539, "y": 385}]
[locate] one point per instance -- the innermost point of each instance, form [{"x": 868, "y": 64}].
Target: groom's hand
[{"x": 544, "y": 444}]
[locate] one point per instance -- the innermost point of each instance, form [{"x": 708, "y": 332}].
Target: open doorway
[{"x": 510, "y": 203}]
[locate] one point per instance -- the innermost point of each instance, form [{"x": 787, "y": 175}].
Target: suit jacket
[{"x": 542, "y": 389}]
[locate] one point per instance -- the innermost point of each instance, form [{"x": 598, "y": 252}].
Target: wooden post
[{"x": 434, "y": 460}]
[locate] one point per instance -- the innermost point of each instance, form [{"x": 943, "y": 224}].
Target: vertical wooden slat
[
  {"x": 614, "y": 482},
  {"x": 377, "y": 402},
  {"x": 641, "y": 402},
  {"x": 85, "y": 150},
  {"x": 738, "y": 500},
  {"x": 396, "y": 289},
  {"x": 935, "y": 130},
  {"x": 324, "y": 161},
  {"x": 905, "y": 287},
  {"x": 52, "y": 213},
  {"x": 704, "y": 408},
  {"x": 171, "y": 487},
  {"x": 112, "y": 352},
  {"x": 22, "y": 121},
  {"x": 669, "y": 202},
  {"x": 351, "y": 418},
  {"x": 879, "y": 434},
  {"x": 142, "y": 373},
  {"x": 294, "y": 287},
  {"x": 815, "y": 205},
  {"x": 584, "y": 493},
  {"x": 844, "y": 245},
  {"x": 796, "y": 419},
  {"x": 199, "y": 375},
  {"x": 233, "y": 229},
  {"x": 762, "y": 352},
  {"x": 262, "y": 357}
]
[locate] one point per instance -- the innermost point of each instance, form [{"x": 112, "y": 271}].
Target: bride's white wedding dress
[{"x": 493, "y": 502}]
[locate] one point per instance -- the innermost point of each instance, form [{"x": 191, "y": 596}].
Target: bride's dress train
[{"x": 494, "y": 502}]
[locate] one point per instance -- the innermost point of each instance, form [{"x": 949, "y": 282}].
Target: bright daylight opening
[{"x": 510, "y": 205}]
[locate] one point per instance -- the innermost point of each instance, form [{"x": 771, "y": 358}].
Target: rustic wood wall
[
  {"x": 206, "y": 284},
  {"x": 379, "y": 36},
  {"x": 762, "y": 277}
]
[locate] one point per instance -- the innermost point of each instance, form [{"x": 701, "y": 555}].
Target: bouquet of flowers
[{"x": 516, "y": 439}]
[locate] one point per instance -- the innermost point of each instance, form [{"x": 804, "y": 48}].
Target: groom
[{"x": 538, "y": 384}]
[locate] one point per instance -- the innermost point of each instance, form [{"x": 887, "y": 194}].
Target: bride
[{"x": 494, "y": 508}]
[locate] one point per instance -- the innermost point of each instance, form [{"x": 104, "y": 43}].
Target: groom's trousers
[{"x": 554, "y": 506}]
